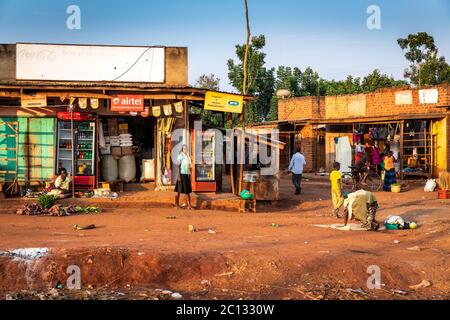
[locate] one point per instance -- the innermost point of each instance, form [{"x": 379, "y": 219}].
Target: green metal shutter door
[
  {"x": 7, "y": 142},
  {"x": 37, "y": 138},
  {"x": 41, "y": 136}
]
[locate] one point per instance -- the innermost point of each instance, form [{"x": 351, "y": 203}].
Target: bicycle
[{"x": 355, "y": 180}]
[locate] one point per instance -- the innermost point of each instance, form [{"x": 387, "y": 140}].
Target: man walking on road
[{"x": 296, "y": 166}]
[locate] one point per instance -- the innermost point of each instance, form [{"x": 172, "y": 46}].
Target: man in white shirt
[{"x": 296, "y": 166}]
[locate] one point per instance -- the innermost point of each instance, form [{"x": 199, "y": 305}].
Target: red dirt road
[{"x": 247, "y": 257}]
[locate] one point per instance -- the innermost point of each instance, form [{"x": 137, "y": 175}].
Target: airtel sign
[{"x": 122, "y": 103}]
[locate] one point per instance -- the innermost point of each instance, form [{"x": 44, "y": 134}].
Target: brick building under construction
[{"x": 413, "y": 123}]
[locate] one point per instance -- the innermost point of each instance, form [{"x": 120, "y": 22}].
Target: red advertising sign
[
  {"x": 127, "y": 103},
  {"x": 77, "y": 116}
]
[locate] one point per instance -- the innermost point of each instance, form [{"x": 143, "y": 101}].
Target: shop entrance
[{"x": 127, "y": 149}]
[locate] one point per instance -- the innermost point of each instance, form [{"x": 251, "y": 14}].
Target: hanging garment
[
  {"x": 372, "y": 133},
  {"x": 395, "y": 148},
  {"x": 369, "y": 152},
  {"x": 355, "y": 136},
  {"x": 382, "y": 133},
  {"x": 101, "y": 136},
  {"x": 344, "y": 154},
  {"x": 376, "y": 156}
]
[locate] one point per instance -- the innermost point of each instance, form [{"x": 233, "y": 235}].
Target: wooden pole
[
  {"x": 241, "y": 145},
  {"x": 233, "y": 189},
  {"x": 73, "y": 150}
]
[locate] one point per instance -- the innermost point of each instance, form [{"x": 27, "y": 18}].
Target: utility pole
[{"x": 244, "y": 92}]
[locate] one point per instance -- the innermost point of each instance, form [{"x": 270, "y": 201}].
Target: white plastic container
[
  {"x": 110, "y": 169},
  {"x": 148, "y": 169},
  {"x": 127, "y": 168}
]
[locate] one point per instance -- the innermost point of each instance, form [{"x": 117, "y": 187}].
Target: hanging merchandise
[
  {"x": 372, "y": 134},
  {"x": 395, "y": 149},
  {"x": 82, "y": 103},
  {"x": 382, "y": 133},
  {"x": 344, "y": 153},
  {"x": 156, "y": 111},
  {"x": 167, "y": 110},
  {"x": 178, "y": 107},
  {"x": 101, "y": 137},
  {"x": 376, "y": 157},
  {"x": 94, "y": 104}
]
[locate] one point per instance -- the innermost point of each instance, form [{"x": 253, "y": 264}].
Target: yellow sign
[
  {"x": 37, "y": 100},
  {"x": 167, "y": 109},
  {"x": 178, "y": 107},
  {"x": 94, "y": 104},
  {"x": 156, "y": 111},
  {"x": 82, "y": 103},
  {"x": 225, "y": 102}
]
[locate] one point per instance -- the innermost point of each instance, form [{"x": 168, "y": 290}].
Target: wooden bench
[{"x": 247, "y": 205}]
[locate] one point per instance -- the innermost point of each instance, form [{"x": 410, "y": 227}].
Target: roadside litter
[
  {"x": 422, "y": 285},
  {"x": 26, "y": 253},
  {"x": 88, "y": 227},
  {"x": 398, "y": 223},
  {"x": 430, "y": 186},
  {"x": 275, "y": 225},
  {"x": 349, "y": 227}
]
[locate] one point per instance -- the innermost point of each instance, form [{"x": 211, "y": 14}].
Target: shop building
[
  {"x": 104, "y": 113},
  {"x": 413, "y": 123}
]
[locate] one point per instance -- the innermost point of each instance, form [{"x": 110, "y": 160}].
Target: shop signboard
[
  {"x": 38, "y": 100},
  {"x": 403, "y": 97},
  {"x": 127, "y": 103},
  {"x": 58, "y": 62},
  {"x": 225, "y": 102},
  {"x": 428, "y": 96}
]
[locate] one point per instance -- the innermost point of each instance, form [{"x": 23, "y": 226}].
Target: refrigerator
[
  {"x": 83, "y": 149},
  {"x": 203, "y": 175}
]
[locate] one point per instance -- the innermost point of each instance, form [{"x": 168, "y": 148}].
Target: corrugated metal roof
[{"x": 104, "y": 85}]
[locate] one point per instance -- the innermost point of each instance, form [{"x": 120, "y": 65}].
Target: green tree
[
  {"x": 209, "y": 82},
  {"x": 377, "y": 80},
  {"x": 426, "y": 68},
  {"x": 260, "y": 80}
]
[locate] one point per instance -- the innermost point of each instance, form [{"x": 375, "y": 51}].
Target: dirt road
[{"x": 243, "y": 256}]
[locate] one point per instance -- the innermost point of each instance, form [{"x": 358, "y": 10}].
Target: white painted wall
[{"x": 90, "y": 63}]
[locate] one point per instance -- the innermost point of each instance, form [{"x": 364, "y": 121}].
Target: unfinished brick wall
[
  {"x": 297, "y": 108},
  {"x": 448, "y": 141},
  {"x": 308, "y": 147},
  {"x": 380, "y": 103}
]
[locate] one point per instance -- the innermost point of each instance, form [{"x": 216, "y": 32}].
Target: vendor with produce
[{"x": 62, "y": 185}]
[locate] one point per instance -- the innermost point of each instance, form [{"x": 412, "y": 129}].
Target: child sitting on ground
[{"x": 336, "y": 188}]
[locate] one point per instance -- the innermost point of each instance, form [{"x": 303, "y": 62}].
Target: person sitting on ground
[
  {"x": 361, "y": 206},
  {"x": 336, "y": 188},
  {"x": 62, "y": 185}
]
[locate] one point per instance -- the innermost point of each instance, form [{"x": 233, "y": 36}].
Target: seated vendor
[
  {"x": 62, "y": 184},
  {"x": 361, "y": 206}
]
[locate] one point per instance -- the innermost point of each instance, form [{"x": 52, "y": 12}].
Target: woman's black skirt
[{"x": 184, "y": 186}]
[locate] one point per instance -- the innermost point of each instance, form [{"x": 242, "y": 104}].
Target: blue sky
[{"x": 330, "y": 36}]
